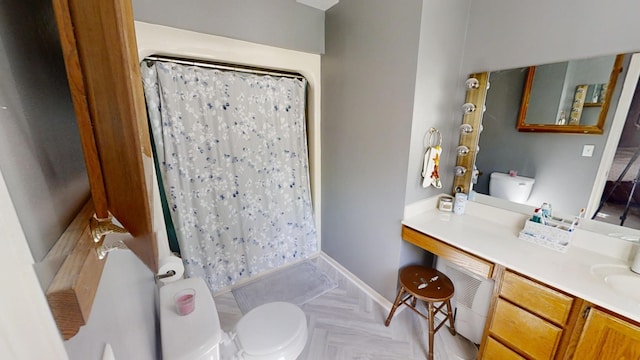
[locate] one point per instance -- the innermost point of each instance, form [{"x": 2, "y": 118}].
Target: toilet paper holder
[{"x": 168, "y": 274}]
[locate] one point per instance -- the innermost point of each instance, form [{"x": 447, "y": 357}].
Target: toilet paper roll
[{"x": 169, "y": 263}]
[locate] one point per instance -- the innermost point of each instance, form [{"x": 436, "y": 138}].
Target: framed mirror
[
  {"x": 564, "y": 174},
  {"x": 569, "y": 96}
]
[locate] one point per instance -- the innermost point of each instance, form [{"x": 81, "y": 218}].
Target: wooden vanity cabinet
[
  {"x": 606, "y": 336},
  {"x": 528, "y": 320}
]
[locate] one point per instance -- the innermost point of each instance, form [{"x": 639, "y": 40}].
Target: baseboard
[{"x": 359, "y": 283}]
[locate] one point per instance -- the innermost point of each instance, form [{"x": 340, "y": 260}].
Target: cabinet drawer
[
  {"x": 538, "y": 299},
  {"x": 524, "y": 331},
  {"x": 495, "y": 350}
]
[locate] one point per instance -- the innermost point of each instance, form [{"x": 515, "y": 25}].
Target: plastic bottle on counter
[
  {"x": 546, "y": 210},
  {"x": 459, "y": 203}
]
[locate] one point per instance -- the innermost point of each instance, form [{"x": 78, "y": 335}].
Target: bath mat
[{"x": 295, "y": 284}]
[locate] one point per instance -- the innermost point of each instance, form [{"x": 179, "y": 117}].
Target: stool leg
[
  {"x": 395, "y": 305},
  {"x": 431, "y": 329},
  {"x": 452, "y": 329}
]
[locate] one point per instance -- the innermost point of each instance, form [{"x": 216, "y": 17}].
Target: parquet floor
[{"x": 346, "y": 323}]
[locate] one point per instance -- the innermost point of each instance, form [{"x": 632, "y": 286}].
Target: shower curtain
[{"x": 233, "y": 159}]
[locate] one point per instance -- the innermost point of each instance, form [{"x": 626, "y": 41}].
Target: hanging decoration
[{"x": 431, "y": 165}]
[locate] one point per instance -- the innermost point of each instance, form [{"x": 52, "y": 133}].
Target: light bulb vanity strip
[{"x": 476, "y": 91}]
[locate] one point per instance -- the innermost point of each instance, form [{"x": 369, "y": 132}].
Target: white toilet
[
  {"x": 512, "y": 188},
  {"x": 273, "y": 331}
]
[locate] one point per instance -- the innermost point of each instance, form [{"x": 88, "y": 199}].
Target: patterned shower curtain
[{"x": 233, "y": 159}]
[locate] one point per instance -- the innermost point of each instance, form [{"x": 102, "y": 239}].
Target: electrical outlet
[{"x": 587, "y": 150}]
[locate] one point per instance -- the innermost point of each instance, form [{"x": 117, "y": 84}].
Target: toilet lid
[{"x": 270, "y": 328}]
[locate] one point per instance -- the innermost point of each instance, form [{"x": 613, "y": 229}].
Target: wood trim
[
  {"x": 108, "y": 66},
  {"x": 457, "y": 256},
  {"x": 573, "y": 330},
  {"x": 80, "y": 105},
  {"x": 498, "y": 274},
  {"x": 73, "y": 289},
  {"x": 574, "y": 129}
]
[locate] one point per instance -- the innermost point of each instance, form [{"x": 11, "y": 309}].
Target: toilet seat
[{"x": 272, "y": 331}]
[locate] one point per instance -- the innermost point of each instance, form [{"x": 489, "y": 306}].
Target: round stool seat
[{"x": 426, "y": 284}]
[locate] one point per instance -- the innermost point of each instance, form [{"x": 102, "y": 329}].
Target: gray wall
[
  {"x": 40, "y": 153},
  {"x": 281, "y": 23},
  {"x": 439, "y": 91},
  {"x": 368, "y": 84},
  {"x": 504, "y": 34}
]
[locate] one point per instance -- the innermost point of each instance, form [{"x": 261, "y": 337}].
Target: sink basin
[
  {"x": 625, "y": 285},
  {"x": 619, "y": 279}
]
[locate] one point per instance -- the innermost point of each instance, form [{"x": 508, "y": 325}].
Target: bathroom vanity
[{"x": 545, "y": 304}]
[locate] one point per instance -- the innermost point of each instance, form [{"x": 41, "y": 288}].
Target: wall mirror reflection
[
  {"x": 570, "y": 171},
  {"x": 569, "y": 96}
]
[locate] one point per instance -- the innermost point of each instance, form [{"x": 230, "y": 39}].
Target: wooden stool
[{"x": 430, "y": 286}]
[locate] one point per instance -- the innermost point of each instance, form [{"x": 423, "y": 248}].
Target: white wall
[
  {"x": 27, "y": 329},
  {"x": 123, "y": 313}
]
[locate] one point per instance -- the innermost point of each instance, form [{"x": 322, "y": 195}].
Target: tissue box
[{"x": 553, "y": 236}]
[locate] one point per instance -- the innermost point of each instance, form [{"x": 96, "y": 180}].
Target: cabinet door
[
  {"x": 608, "y": 337},
  {"x": 100, "y": 51}
]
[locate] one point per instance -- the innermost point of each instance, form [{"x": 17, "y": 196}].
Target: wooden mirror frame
[{"x": 576, "y": 129}]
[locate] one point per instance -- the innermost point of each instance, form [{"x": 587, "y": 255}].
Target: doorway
[{"x": 617, "y": 200}]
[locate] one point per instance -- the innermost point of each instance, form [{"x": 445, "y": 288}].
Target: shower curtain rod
[{"x": 212, "y": 65}]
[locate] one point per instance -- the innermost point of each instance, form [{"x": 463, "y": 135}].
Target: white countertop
[{"x": 492, "y": 234}]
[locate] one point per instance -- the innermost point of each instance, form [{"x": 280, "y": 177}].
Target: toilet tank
[
  {"x": 512, "y": 188},
  {"x": 193, "y": 336}
]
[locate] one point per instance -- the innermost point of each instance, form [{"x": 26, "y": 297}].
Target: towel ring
[{"x": 432, "y": 135}]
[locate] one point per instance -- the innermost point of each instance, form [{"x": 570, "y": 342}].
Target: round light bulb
[
  {"x": 468, "y": 108},
  {"x": 472, "y": 83}
]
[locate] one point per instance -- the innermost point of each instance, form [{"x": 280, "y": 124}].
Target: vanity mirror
[
  {"x": 569, "y": 96},
  {"x": 563, "y": 175}
]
